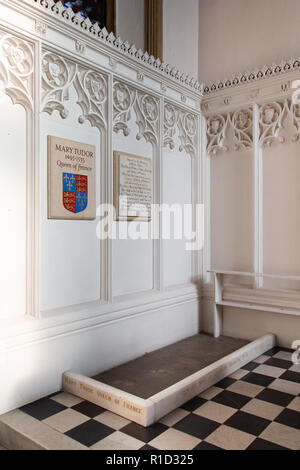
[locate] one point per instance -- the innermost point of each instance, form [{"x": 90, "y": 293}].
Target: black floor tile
[
  {"x": 291, "y": 376},
  {"x": 251, "y": 366},
  {"x": 147, "y": 447},
  {"x": 90, "y": 432},
  {"x": 196, "y": 426},
  {"x": 43, "y": 408},
  {"x": 273, "y": 351},
  {"x": 289, "y": 418},
  {"x": 225, "y": 382},
  {"x": 276, "y": 397},
  {"x": 234, "y": 400},
  {"x": 206, "y": 446},
  {"x": 248, "y": 423},
  {"x": 144, "y": 434},
  {"x": 261, "y": 444},
  {"x": 193, "y": 404},
  {"x": 274, "y": 362},
  {"x": 89, "y": 409},
  {"x": 54, "y": 394},
  {"x": 286, "y": 350},
  {"x": 258, "y": 379}
]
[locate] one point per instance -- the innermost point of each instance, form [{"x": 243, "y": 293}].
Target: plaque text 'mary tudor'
[{"x": 71, "y": 179}]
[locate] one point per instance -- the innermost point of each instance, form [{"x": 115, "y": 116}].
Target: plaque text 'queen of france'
[{"x": 71, "y": 179}]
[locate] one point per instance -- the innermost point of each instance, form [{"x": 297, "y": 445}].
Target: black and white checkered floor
[{"x": 257, "y": 407}]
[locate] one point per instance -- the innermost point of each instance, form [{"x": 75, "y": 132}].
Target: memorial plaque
[
  {"x": 71, "y": 179},
  {"x": 132, "y": 187}
]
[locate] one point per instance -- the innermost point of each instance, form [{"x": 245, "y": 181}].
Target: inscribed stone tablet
[
  {"x": 71, "y": 180},
  {"x": 132, "y": 186}
]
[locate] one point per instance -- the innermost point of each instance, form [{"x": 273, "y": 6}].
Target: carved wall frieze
[
  {"x": 58, "y": 75},
  {"x": 230, "y": 131},
  {"x": 127, "y": 99},
  {"x": 279, "y": 121},
  {"x": 16, "y": 69},
  {"x": 185, "y": 123}
]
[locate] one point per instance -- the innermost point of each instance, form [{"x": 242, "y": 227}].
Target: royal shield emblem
[{"x": 75, "y": 192}]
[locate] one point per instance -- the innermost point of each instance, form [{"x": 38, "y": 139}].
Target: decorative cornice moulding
[
  {"x": 274, "y": 70},
  {"x": 67, "y": 16}
]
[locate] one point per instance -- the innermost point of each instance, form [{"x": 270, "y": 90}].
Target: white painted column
[{"x": 258, "y": 200}]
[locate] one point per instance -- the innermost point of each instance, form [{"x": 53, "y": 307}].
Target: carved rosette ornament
[
  {"x": 279, "y": 122},
  {"x": 16, "y": 69},
  {"x": 59, "y": 75},
  {"x": 230, "y": 131},
  {"x": 127, "y": 99}
]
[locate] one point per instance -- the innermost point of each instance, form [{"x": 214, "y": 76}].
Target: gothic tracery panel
[
  {"x": 146, "y": 107},
  {"x": 279, "y": 121},
  {"x": 16, "y": 69},
  {"x": 230, "y": 131},
  {"x": 59, "y": 74},
  {"x": 186, "y": 123}
]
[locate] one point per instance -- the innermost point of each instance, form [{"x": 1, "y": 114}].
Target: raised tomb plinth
[{"x": 149, "y": 387}]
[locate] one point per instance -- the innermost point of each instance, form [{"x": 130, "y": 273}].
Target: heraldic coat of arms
[{"x": 75, "y": 192}]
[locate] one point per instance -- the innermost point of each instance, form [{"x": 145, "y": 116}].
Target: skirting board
[{"x": 149, "y": 411}]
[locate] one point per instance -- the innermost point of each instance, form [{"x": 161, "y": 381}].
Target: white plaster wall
[
  {"x": 237, "y": 35},
  {"x": 13, "y": 209},
  {"x": 132, "y": 260},
  {"x": 180, "y": 34},
  {"x": 177, "y": 176},
  {"x": 281, "y": 211},
  {"x": 130, "y": 21},
  {"x": 232, "y": 227}
]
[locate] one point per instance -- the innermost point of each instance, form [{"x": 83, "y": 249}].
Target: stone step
[{"x": 19, "y": 431}]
